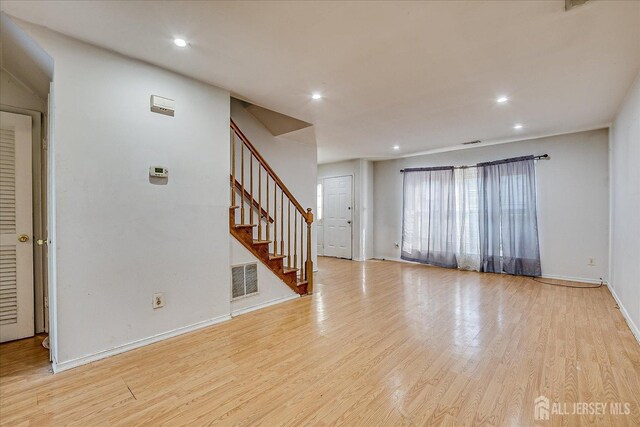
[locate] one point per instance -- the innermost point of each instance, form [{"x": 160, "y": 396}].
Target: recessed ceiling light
[
  {"x": 316, "y": 96},
  {"x": 180, "y": 42},
  {"x": 396, "y": 147},
  {"x": 517, "y": 126},
  {"x": 502, "y": 99}
]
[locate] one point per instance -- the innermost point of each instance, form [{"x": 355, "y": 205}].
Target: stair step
[
  {"x": 287, "y": 270},
  {"x": 304, "y": 282},
  {"x": 245, "y": 225},
  {"x": 261, "y": 242},
  {"x": 272, "y": 257}
]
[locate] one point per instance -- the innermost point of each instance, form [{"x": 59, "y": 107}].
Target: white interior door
[
  {"x": 16, "y": 228},
  {"x": 337, "y": 216}
]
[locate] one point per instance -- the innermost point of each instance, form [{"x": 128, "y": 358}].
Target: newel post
[{"x": 309, "y": 263}]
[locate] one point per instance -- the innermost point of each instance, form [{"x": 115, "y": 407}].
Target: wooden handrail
[
  {"x": 254, "y": 202},
  {"x": 270, "y": 171}
]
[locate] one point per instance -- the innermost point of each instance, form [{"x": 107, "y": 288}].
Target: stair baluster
[
  {"x": 268, "y": 216},
  {"x": 281, "y": 222},
  {"x": 260, "y": 203},
  {"x": 242, "y": 193},
  {"x": 233, "y": 168},
  {"x": 251, "y": 189},
  {"x": 301, "y": 247},
  {"x": 289, "y": 234},
  {"x": 275, "y": 220},
  {"x": 295, "y": 239}
]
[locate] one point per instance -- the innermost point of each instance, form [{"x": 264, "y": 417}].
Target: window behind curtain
[{"x": 467, "y": 230}]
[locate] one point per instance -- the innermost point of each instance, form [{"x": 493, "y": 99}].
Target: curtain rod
[{"x": 540, "y": 157}]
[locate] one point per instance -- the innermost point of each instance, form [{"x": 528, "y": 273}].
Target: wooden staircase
[{"x": 266, "y": 218}]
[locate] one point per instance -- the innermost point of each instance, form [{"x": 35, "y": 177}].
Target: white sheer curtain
[
  {"x": 467, "y": 220},
  {"x": 429, "y": 219},
  {"x": 508, "y": 220}
]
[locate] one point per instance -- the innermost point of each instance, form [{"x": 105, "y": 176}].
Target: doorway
[
  {"x": 26, "y": 83},
  {"x": 337, "y": 216}
]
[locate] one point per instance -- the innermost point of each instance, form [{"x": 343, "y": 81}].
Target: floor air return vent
[{"x": 244, "y": 280}]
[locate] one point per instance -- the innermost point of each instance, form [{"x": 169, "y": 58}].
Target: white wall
[
  {"x": 572, "y": 199},
  {"x": 625, "y": 207},
  {"x": 366, "y": 209},
  {"x": 294, "y": 162},
  {"x": 118, "y": 237},
  {"x": 271, "y": 289},
  {"x": 362, "y": 231}
]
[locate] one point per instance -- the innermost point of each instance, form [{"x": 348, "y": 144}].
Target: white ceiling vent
[
  {"x": 244, "y": 280},
  {"x": 570, "y": 4}
]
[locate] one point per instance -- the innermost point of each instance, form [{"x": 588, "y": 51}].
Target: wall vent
[
  {"x": 477, "y": 141},
  {"x": 244, "y": 280}
]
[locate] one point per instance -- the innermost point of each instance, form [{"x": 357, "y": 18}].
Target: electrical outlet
[
  {"x": 592, "y": 261},
  {"x": 158, "y": 300}
]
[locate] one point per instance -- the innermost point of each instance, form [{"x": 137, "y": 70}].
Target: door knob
[
  {"x": 348, "y": 222},
  {"x": 23, "y": 238}
]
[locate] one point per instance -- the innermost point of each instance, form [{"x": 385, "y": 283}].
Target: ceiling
[
  {"x": 23, "y": 59},
  {"x": 422, "y": 75}
]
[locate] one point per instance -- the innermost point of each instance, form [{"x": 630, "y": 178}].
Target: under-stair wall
[{"x": 271, "y": 289}]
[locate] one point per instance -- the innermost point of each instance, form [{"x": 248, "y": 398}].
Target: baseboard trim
[
  {"x": 73, "y": 363},
  {"x": 255, "y": 307},
  {"x": 544, "y": 276},
  {"x": 403, "y": 261},
  {"x": 634, "y": 329},
  {"x": 574, "y": 279}
]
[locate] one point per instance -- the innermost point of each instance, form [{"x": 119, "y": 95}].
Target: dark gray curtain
[
  {"x": 508, "y": 218},
  {"x": 428, "y": 223}
]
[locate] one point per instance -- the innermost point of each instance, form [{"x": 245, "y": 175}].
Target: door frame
[{"x": 324, "y": 188}]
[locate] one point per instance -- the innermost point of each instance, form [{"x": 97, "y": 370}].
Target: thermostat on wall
[
  {"x": 158, "y": 172},
  {"x": 163, "y": 105}
]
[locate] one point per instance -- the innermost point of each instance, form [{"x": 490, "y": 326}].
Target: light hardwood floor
[{"x": 379, "y": 343}]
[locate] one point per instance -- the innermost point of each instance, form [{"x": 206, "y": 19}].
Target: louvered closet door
[{"x": 16, "y": 224}]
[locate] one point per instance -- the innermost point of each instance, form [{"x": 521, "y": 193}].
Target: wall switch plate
[
  {"x": 592, "y": 261},
  {"x": 158, "y": 300}
]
